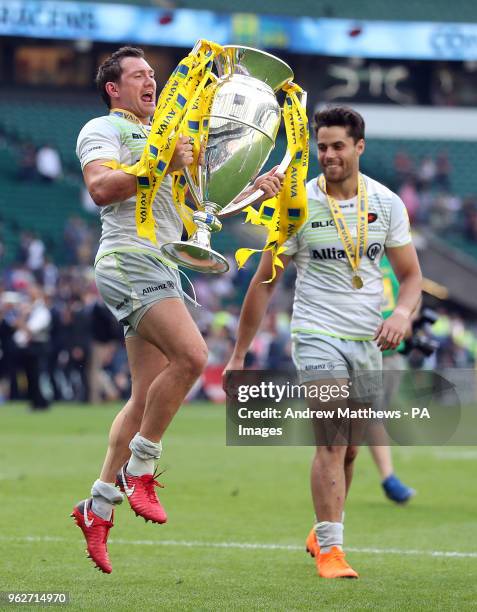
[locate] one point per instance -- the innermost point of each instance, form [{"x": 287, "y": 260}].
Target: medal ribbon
[
  {"x": 120, "y": 112},
  {"x": 179, "y": 105},
  {"x": 284, "y": 214},
  {"x": 353, "y": 252}
]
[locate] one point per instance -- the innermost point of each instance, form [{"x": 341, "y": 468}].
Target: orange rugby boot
[
  {"x": 333, "y": 564},
  {"x": 312, "y": 546}
]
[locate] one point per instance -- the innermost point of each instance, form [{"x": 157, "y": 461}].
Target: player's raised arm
[{"x": 254, "y": 307}]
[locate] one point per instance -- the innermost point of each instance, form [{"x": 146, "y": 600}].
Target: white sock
[
  {"x": 144, "y": 454},
  {"x": 105, "y": 497},
  {"x": 329, "y": 535},
  {"x": 102, "y": 507},
  {"x": 139, "y": 467}
]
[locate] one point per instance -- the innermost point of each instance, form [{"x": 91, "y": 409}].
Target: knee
[
  {"x": 330, "y": 454},
  {"x": 193, "y": 361},
  {"x": 351, "y": 454}
]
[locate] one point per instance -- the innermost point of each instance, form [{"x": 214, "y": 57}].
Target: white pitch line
[{"x": 251, "y": 546}]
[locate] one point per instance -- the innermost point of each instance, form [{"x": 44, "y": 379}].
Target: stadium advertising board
[{"x": 181, "y": 28}]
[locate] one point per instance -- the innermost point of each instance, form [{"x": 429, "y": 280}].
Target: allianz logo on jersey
[{"x": 330, "y": 253}]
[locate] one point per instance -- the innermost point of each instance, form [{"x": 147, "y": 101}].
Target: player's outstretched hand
[
  {"x": 270, "y": 183},
  {"x": 183, "y": 155},
  {"x": 392, "y": 331}
]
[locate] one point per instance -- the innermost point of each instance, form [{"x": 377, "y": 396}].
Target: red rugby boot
[
  {"x": 95, "y": 530},
  {"x": 141, "y": 495}
]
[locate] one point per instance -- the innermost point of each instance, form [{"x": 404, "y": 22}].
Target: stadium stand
[
  {"x": 46, "y": 121},
  {"x": 380, "y": 155},
  {"x": 41, "y": 208}
]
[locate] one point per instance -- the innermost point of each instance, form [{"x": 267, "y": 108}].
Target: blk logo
[{"x": 328, "y": 223}]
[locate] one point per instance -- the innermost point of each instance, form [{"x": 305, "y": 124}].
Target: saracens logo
[
  {"x": 122, "y": 304},
  {"x": 373, "y": 250}
]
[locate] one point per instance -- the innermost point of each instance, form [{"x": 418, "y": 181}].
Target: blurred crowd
[
  {"x": 58, "y": 342},
  {"x": 425, "y": 187},
  {"x": 39, "y": 163}
]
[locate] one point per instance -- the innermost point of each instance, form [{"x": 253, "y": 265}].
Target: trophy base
[{"x": 194, "y": 257}]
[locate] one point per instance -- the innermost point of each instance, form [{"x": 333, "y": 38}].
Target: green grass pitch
[{"x": 217, "y": 498}]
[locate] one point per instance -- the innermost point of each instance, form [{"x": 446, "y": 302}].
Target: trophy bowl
[{"x": 243, "y": 124}]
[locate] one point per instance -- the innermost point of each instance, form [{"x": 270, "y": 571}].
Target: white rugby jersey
[
  {"x": 114, "y": 138},
  {"x": 325, "y": 301}
]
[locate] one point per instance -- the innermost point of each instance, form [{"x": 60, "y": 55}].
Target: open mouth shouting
[{"x": 148, "y": 97}]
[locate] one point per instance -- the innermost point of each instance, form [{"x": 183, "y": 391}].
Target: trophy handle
[
  {"x": 235, "y": 207},
  {"x": 195, "y": 190}
]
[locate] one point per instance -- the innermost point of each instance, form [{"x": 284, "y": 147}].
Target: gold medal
[{"x": 357, "y": 282}]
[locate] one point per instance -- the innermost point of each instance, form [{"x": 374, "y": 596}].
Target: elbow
[
  {"x": 412, "y": 276},
  {"x": 264, "y": 283},
  {"x": 99, "y": 195}
]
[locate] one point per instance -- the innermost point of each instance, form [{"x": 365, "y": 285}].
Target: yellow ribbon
[
  {"x": 284, "y": 214},
  {"x": 181, "y": 101},
  {"x": 196, "y": 127}
]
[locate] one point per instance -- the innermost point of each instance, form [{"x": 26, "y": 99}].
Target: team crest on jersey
[{"x": 373, "y": 250}]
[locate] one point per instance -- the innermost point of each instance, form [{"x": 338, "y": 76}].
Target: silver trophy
[{"x": 243, "y": 124}]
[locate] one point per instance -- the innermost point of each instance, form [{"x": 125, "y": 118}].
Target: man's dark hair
[
  {"x": 343, "y": 116},
  {"x": 110, "y": 69}
]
